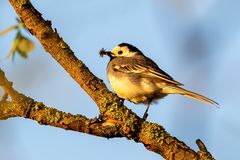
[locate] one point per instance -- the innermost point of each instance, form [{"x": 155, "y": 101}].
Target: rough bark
[{"x": 115, "y": 120}]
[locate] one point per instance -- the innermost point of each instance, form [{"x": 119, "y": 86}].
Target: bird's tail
[{"x": 178, "y": 90}]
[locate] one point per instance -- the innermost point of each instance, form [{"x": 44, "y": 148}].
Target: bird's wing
[{"x": 150, "y": 70}]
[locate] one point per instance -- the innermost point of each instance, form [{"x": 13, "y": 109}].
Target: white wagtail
[{"x": 135, "y": 77}]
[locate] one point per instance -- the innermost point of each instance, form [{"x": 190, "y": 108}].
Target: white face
[{"x": 122, "y": 52}]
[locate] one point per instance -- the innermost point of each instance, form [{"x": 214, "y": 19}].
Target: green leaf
[
  {"x": 21, "y": 44},
  {"x": 14, "y": 47},
  {"x": 25, "y": 46}
]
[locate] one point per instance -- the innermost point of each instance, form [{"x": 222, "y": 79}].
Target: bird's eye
[{"x": 120, "y": 52}]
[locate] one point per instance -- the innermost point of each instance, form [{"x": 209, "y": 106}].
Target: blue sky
[{"x": 196, "y": 42}]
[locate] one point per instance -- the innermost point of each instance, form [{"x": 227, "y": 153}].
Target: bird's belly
[{"x": 135, "y": 92}]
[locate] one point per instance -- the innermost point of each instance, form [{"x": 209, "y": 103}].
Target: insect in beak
[{"x": 103, "y": 52}]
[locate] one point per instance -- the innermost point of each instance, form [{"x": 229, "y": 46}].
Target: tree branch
[
  {"x": 22, "y": 106},
  {"x": 115, "y": 119}
]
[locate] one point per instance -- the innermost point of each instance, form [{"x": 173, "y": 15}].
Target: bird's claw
[
  {"x": 121, "y": 101},
  {"x": 145, "y": 116}
]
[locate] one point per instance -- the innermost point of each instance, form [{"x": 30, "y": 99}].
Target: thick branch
[
  {"x": 153, "y": 136},
  {"x": 114, "y": 117},
  {"x": 28, "y": 108}
]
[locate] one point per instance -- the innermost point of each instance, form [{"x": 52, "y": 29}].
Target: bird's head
[{"x": 122, "y": 50}]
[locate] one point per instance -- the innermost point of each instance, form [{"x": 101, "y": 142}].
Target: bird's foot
[
  {"x": 145, "y": 116},
  {"x": 121, "y": 101},
  {"x": 95, "y": 120}
]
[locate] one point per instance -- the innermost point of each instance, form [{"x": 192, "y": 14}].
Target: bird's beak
[
  {"x": 109, "y": 54},
  {"x": 102, "y": 52}
]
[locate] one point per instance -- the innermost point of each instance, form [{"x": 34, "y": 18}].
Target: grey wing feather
[{"x": 146, "y": 67}]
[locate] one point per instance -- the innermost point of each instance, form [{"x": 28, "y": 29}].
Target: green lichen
[
  {"x": 80, "y": 118},
  {"x": 37, "y": 106},
  {"x": 111, "y": 107},
  {"x": 25, "y": 103},
  {"x": 4, "y": 111},
  {"x": 103, "y": 91},
  {"x": 64, "y": 45},
  {"x": 111, "y": 130},
  {"x": 53, "y": 116},
  {"x": 80, "y": 64},
  {"x": 65, "y": 119},
  {"x": 21, "y": 3},
  {"x": 108, "y": 103},
  {"x": 154, "y": 132},
  {"x": 131, "y": 121},
  {"x": 59, "y": 57},
  {"x": 205, "y": 155}
]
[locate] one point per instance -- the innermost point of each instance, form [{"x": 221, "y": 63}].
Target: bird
[{"x": 135, "y": 77}]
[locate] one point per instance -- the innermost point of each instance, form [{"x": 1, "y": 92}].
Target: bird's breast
[
  {"x": 122, "y": 86},
  {"x": 137, "y": 91}
]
